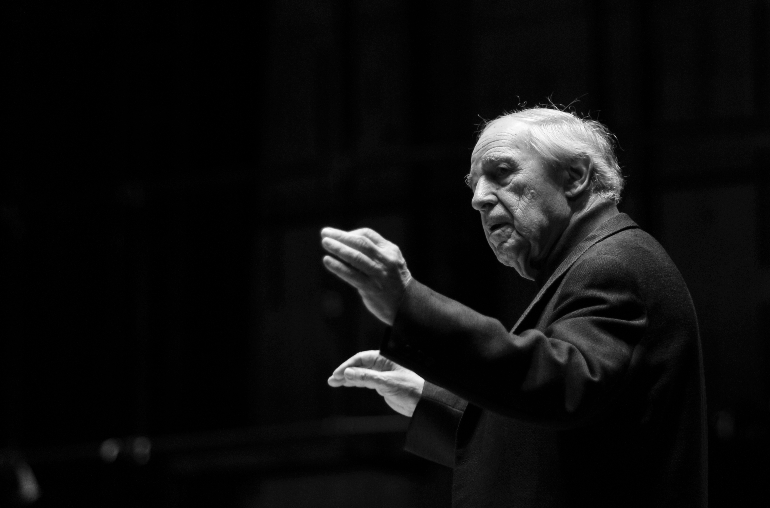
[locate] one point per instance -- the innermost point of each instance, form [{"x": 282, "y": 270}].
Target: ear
[{"x": 578, "y": 177}]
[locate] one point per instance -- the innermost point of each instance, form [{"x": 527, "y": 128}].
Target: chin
[
  {"x": 507, "y": 258},
  {"x": 516, "y": 259}
]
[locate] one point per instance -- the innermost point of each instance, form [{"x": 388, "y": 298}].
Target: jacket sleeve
[
  {"x": 433, "y": 426},
  {"x": 561, "y": 374}
]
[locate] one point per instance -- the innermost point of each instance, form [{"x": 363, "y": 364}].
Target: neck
[{"x": 587, "y": 216}]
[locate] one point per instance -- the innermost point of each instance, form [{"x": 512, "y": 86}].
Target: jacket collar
[{"x": 592, "y": 226}]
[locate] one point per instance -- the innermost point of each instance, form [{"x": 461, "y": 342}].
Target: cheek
[
  {"x": 527, "y": 215},
  {"x": 514, "y": 200}
]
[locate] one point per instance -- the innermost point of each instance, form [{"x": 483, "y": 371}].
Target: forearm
[
  {"x": 556, "y": 376},
  {"x": 433, "y": 427}
]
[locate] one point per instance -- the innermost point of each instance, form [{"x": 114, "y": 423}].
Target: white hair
[{"x": 559, "y": 137}]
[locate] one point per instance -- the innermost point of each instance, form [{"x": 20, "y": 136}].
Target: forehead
[{"x": 504, "y": 138}]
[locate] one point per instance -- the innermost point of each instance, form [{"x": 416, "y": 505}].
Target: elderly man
[{"x": 596, "y": 396}]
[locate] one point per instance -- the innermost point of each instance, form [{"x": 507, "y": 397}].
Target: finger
[
  {"x": 363, "y": 378},
  {"x": 371, "y": 234},
  {"x": 354, "y": 240},
  {"x": 364, "y": 359},
  {"x": 352, "y": 256},
  {"x": 327, "y": 231},
  {"x": 350, "y": 275}
]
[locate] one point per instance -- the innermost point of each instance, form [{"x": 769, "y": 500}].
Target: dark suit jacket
[{"x": 594, "y": 398}]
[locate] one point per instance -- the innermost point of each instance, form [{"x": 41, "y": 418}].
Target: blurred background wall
[{"x": 167, "y": 325}]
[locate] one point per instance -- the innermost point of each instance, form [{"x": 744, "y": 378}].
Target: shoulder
[
  {"x": 630, "y": 260},
  {"x": 637, "y": 252}
]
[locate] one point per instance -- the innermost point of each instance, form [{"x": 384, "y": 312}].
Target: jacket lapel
[{"x": 611, "y": 226}]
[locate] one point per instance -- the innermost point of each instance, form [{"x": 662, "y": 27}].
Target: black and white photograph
[{"x": 385, "y": 254}]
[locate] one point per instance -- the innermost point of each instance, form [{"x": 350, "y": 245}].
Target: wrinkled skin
[{"x": 521, "y": 201}]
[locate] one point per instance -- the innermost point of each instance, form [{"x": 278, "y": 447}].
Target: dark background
[{"x": 167, "y": 325}]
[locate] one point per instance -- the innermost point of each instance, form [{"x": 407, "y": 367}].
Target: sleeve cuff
[{"x": 433, "y": 426}]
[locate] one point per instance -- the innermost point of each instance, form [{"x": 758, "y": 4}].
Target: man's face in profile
[{"x": 520, "y": 198}]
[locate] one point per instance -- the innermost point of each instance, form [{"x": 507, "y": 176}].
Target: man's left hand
[{"x": 371, "y": 264}]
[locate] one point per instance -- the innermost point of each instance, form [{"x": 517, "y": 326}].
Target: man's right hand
[{"x": 401, "y": 388}]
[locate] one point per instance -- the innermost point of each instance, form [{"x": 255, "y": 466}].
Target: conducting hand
[
  {"x": 401, "y": 388},
  {"x": 371, "y": 264}
]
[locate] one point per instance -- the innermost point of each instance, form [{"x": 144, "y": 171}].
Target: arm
[{"x": 563, "y": 374}]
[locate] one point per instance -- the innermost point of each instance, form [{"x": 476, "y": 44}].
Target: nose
[{"x": 484, "y": 198}]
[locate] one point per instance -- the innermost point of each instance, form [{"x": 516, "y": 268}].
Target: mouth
[{"x": 495, "y": 227}]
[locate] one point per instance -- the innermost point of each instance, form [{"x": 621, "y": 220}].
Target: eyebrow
[
  {"x": 497, "y": 158},
  {"x": 493, "y": 160}
]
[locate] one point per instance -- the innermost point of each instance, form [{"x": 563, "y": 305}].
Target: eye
[{"x": 503, "y": 171}]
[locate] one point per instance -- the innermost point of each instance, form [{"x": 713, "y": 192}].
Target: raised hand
[
  {"x": 371, "y": 264},
  {"x": 401, "y": 388}
]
